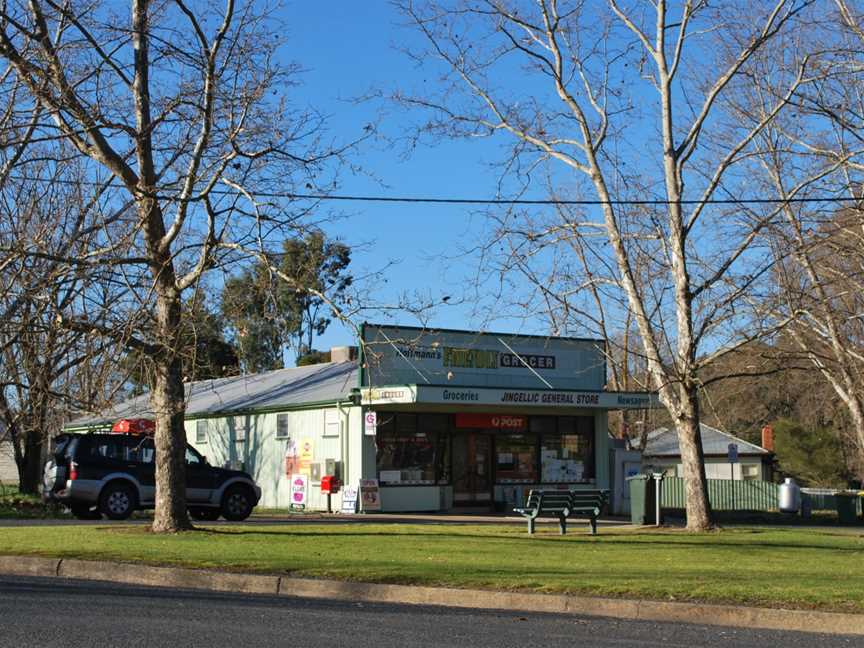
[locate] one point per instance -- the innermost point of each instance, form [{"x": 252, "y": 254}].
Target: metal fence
[
  {"x": 823, "y": 499},
  {"x": 724, "y": 494}
]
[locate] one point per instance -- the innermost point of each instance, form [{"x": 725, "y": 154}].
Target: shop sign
[
  {"x": 349, "y": 500},
  {"x": 370, "y": 495},
  {"x": 388, "y": 395},
  {"x": 409, "y": 356},
  {"x": 495, "y": 421},
  {"x": 299, "y": 484},
  {"x": 537, "y": 398},
  {"x": 370, "y": 424}
]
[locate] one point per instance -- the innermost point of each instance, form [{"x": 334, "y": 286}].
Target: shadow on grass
[{"x": 744, "y": 539}]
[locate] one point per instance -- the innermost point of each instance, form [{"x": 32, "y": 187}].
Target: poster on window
[
  {"x": 370, "y": 496},
  {"x": 299, "y": 487}
]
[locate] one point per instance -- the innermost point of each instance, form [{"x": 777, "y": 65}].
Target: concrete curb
[{"x": 644, "y": 610}]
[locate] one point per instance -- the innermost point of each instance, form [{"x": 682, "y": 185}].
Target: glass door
[{"x": 472, "y": 468}]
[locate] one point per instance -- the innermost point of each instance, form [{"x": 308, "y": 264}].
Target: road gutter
[{"x": 634, "y": 609}]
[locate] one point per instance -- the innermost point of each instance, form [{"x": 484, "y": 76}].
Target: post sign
[
  {"x": 370, "y": 424},
  {"x": 299, "y": 485},
  {"x": 733, "y": 453}
]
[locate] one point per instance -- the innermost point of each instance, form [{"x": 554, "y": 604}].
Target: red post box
[{"x": 329, "y": 484}]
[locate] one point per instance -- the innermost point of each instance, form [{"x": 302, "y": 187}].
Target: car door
[
  {"x": 142, "y": 463},
  {"x": 200, "y": 478}
]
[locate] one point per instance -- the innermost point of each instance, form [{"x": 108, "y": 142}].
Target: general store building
[{"x": 442, "y": 419}]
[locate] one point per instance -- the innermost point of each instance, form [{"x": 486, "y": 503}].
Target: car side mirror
[{"x": 204, "y": 457}]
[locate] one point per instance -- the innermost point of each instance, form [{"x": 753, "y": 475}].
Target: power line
[{"x": 492, "y": 201}]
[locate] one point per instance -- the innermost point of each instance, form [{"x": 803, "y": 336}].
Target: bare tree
[
  {"x": 819, "y": 245},
  {"x": 179, "y": 109},
  {"x": 46, "y": 371},
  {"x": 625, "y": 102}
]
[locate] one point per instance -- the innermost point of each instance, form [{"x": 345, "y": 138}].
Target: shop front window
[
  {"x": 412, "y": 448},
  {"x": 516, "y": 458},
  {"x": 567, "y": 453}
]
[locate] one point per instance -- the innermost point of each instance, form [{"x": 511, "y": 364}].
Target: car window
[
  {"x": 143, "y": 451},
  {"x": 108, "y": 448},
  {"x": 193, "y": 457}
]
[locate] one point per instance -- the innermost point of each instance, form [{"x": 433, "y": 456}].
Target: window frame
[
  {"x": 201, "y": 431},
  {"x": 283, "y": 416}
]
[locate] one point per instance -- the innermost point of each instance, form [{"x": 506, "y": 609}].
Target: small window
[
  {"x": 239, "y": 429},
  {"x": 749, "y": 472},
  {"x": 282, "y": 426},
  {"x": 201, "y": 431},
  {"x": 332, "y": 422}
]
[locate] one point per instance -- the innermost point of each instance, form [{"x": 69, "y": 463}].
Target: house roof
[
  {"x": 320, "y": 383},
  {"x": 663, "y": 442}
]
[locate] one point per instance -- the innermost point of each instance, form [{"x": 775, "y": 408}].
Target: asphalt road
[{"x": 67, "y": 614}]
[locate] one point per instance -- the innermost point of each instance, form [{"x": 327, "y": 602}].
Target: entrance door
[{"x": 472, "y": 469}]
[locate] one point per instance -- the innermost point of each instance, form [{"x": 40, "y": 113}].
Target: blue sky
[{"x": 349, "y": 49}]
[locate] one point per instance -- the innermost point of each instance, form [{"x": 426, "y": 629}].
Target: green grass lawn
[{"x": 768, "y": 567}]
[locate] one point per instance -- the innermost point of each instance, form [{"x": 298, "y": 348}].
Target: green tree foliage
[
  {"x": 268, "y": 314},
  {"x": 813, "y": 456}
]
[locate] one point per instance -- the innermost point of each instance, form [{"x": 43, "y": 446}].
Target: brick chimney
[
  {"x": 343, "y": 353},
  {"x": 768, "y": 438}
]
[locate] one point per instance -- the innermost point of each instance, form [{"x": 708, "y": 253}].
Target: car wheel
[
  {"x": 205, "y": 514},
  {"x": 237, "y": 503},
  {"x": 85, "y": 512},
  {"x": 117, "y": 501}
]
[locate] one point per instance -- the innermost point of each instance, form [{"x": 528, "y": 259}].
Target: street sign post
[{"x": 732, "y": 454}]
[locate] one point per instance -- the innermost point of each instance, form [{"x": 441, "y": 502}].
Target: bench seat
[{"x": 562, "y": 505}]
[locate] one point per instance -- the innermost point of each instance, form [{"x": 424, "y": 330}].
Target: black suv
[{"x": 115, "y": 474}]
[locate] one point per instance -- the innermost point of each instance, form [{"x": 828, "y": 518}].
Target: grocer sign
[{"x": 399, "y": 355}]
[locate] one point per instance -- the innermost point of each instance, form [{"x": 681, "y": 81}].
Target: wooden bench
[{"x": 563, "y": 504}]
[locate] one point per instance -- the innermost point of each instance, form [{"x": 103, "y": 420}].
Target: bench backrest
[{"x": 557, "y": 500}]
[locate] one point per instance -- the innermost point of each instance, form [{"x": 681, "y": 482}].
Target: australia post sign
[{"x": 411, "y": 356}]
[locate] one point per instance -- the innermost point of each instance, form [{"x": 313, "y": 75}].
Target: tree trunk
[
  {"x": 856, "y": 410},
  {"x": 168, "y": 402},
  {"x": 699, "y": 517},
  {"x": 30, "y": 463}
]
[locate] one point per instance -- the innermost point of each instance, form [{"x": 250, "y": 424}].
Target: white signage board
[
  {"x": 299, "y": 489},
  {"x": 370, "y": 496},
  {"x": 370, "y": 424},
  {"x": 349, "y": 500},
  {"x": 396, "y": 355}
]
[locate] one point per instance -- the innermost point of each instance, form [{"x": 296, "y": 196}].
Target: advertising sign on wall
[
  {"x": 306, "y": 454},
  {"x": 370, "y": 424},
  {"x": 411, "y": 356}
]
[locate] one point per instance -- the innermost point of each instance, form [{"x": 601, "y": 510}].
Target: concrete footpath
[{"x": 644, "y": 610}]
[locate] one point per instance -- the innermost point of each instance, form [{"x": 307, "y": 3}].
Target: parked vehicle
[{"x": 115, "y": 474}]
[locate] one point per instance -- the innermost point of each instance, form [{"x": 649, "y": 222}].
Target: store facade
[{"x": 467, "y": 420}]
